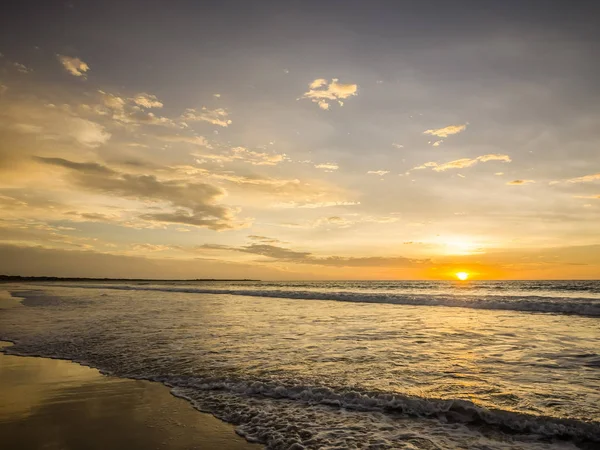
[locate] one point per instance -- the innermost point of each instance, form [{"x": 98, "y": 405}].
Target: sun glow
[{"x": 462, "y": 276}]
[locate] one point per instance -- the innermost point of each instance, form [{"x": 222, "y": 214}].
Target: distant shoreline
[{"x": 18, "y": 278}]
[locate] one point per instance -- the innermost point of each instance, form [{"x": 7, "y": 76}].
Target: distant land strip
[{"x": 18, "y": 278}]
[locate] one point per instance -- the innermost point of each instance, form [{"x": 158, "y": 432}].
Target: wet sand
[{"x": 53, "y": 404}]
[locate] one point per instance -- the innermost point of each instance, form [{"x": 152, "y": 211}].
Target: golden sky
[{"x": 289, "y": 146}]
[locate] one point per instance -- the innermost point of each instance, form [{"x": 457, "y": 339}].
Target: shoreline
[{"x": 64, "y": 404}]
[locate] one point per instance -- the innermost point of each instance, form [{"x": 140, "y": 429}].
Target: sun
[{"x": 462, "y": 275}]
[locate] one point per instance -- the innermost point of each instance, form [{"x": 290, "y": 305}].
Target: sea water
[{"x": 417, "y": 365}]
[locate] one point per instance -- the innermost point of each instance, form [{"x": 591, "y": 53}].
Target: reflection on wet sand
[{"x": 54, "y": 404}]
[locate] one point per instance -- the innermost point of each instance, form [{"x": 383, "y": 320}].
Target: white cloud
[
  {"x": 257, "y": 158},
  {"x": 74, "y": 66},
  {"x": 323, "y": 93},
  {"x": 437, "y": 143},
  {"x": 194, "y": 140},
  {"x": 128, "y": 111},
  {"x": 244, "y": 154},
  {"x": 463, "y": 163},
  {"x": 217, "y": 116},
  {"x": 87, "y": 132},
  {"x": 446, "y": 131},
  {"x": 348, "y": 220},
  {"x": 27, "y": 128},
  {"x": 311, "y": 205},
  {"x": 275, "y": 185},
  {"x": 112, "y": 101},
  {"x": 584, "y": 179},
  {"x": 378, "y": 172},
  {"x": 22, "y": 68},
  {"x": 323, "y": 104},
  {"x": 494, "y": 157},
  {"x": 327, "y": 166},
  {"x": 318, "y": 83},
  {"x": 51, "y": 124},
  {"x": 397, "y": 145},
  {"x": 147, "y": 101}
]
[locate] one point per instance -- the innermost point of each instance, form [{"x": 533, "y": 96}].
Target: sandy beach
[{"x": 55, "y": 404}]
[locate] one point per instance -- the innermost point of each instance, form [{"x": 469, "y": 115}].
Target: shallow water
[
  {"x": 49, "y": 404},
  {"x": 343, "y": 374}
]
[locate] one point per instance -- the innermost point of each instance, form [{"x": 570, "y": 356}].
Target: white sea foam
[
  {"x": 319, "y": 417},
  {"x": 528, "y": 303}
]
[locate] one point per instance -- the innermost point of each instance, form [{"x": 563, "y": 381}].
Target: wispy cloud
[
  {"x": 194, "y": 140},
  {"x": 147, "y": 101},
  {"x": 583, "y": 179},
  {"x": 328, "y": 167},
  {"x": 324, "y": 93},
  {"x": 462, "y": 163},
  {"x": 348, "y": 220},
  {"x": 131, "y": 111},
  {"x": 312, "y": 205},
  {"x": 446, "y": 131},
  {"x": 256, "y": 158},
  {"x": 74, "y": 66},
  {"x": 87, "y": 132},
  {"x": 273, "y": 185},
  {"x": 264, "y": 239},
  {"x": 22, "y": 68},
  {"x": 519, "y": 182},
  {"x": 378, "y": 172},
  {"x": 278, "y": 253},
  {"x": 217, "y": 116},
  {"x": 65, "y": 127}
]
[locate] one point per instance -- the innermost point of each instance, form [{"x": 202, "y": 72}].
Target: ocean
[{"x": 342, "y": 365}]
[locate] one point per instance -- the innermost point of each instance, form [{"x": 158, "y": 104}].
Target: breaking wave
[
  {"x": 530, "y": 303},
  {"x": 295, "y": 415}
]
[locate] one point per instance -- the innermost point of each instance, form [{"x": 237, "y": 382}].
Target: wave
[
  {"x": 558, "y": 305},
  {"x": 445, "y": 411},
  {"x": 273, "y": 412}
]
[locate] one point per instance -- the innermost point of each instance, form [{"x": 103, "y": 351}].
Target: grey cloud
[
  {"x": 185, "y": 218},
  {"x": 27, "y": 127},
  {"x": 213, "y": 247},
  {"x": 519, "y": 182},
  {"x": 40, "y": 261},
  {"x": 371, "y": 261},
  {"x": 283, "y": 254},
  {"x": 273, "y": 251},
  {"x": 195, "y": 203},
  {"x": 264, "y": 239},
  {"x": 81, "y": 167}
]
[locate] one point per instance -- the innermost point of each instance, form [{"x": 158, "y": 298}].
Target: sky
[{"x": 300, "y": 139}]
